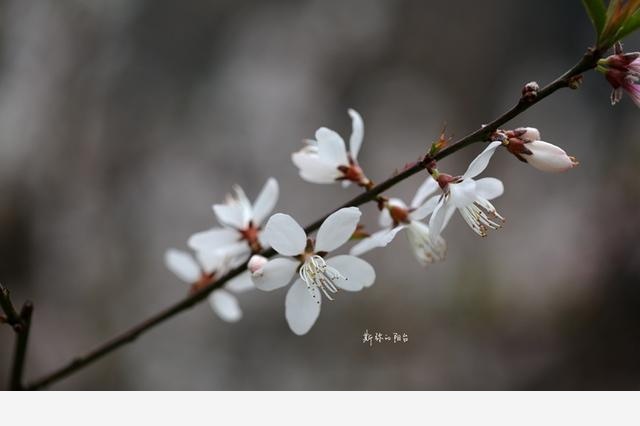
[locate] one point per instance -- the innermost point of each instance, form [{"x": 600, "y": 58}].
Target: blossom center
[
  {"x": 250, "y": 235},
  {"x": 317, "y": 274}
]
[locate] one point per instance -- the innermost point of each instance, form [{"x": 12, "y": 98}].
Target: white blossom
[
  {"x": 396, "y": 216},
  {"x": 326, "y": 159},
  {"x": 316, "y": 276},
  {"x": 201, "y": 271},
  {"x": 241, "y": 221},
  {"x": 470, "y": 197}
]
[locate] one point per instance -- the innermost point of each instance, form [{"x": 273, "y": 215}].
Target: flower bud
[
  {"x": 622, "y": 71},
  {"x": 547, "y": 157},
  {"x": 530, "y": 91},
  {"x": 256, "y": 263},
  {"x": 528, "y": 133}
]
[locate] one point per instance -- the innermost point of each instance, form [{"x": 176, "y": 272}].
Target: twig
[
  {"x": 21, "y": 324},
  {"x": 588, "y": 62},
  {"x": 11, "y": 316},
  {"x": 20, "y": 352}
]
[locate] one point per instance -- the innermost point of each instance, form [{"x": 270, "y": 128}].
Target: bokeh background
[{"x": 122, "y": 121}]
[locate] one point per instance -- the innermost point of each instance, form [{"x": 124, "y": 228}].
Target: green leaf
[
  {"x": 630, "y": 25},
  {"x": 597, "y": 13}
]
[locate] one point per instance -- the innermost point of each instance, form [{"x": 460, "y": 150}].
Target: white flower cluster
[{"x": 305, "y": 263}]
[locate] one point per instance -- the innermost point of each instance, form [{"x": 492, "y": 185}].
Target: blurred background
[{"x": 122, "y": 121}]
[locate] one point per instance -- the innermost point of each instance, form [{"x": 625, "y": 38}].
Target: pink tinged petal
[
  {"x": 256, "y": 263},
  {"x": 634, "y": 92},
  {"x": 241, "y": 283},
  {"x": 480, "y": 163},
  {"x": 301, "y": 309},
  {"x": 331, "y": 148},
  {"x": 232, "y": 215},
  {"x": 530, "y": 134},
  {"x": 357, "y": 273},
  {"x": 548, "y": 158},
  {"x": 275, "y": 274},
  {"x": 428, "y": 187},
  {"x": 337, "y": 229},
  {"x": 313, "y": 169},
  {"x": 489, "y": 188},
  {"x": 425, "y": 209},
  {"x": 213, "y": 239},
  {"x": 183, "y": 265},
  {"x": 463, "y": 193},
  {"x": 357, "y": 133},
  {"x": 378, "y": 239},
  {"x": 284, "y": 235},
  {"x": 266, "y": 201},
  {"x": 634, "y": 66},
  {"x": 225, "y": 305}
]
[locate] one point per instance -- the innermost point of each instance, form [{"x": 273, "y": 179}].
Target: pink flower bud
[
  {"x": 622, "y": 71},
  {"x": 530, "y": 133},
  {"x": 547, "y": 157},
  {"x": 256, "y": 263}
]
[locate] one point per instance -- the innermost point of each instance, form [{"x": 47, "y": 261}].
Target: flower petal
[
  {"x": 440, "y": 217},
  {"x": 244, "y": 203},
  {"x": 378, "y": 239},
  {"x": 425, "y": 209},
  {"x": 425, "y": 247},
  {"x": 428, "y": 187},
  {"x": 232, "y": 214},
  {"x": 480, "y": 163},
  {"x": 385, "y": 220},
  {"x": 213, "y": 239},
  {"x": 331, "y": 147},
  {"x": 301, "y": 309},
  {"x": 313, "y": 169},
  {"x": 463, "y": 193},
  {"x": 225, "y": 305},
  {"x": 530, "y": 133},
  {"x": 183, "y": 265},
  {"x": 337, "y": 229},
  {"x": 548, "y": 158},
  {"x": 210, "y": 261},
  {"x": 357, "y": 133},
  {"x": 284, "y": 234},
  {"x": 275, "y": 274},
  {"x": 358, "y": 273},
  {"x": 489, "y": 188},
  {"x": 266, "y": 201},
  {"x": 241, "y": 283}
]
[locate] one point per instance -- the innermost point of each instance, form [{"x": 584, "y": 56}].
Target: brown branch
[
  {"x": 21, "y": 324},
  {"x": 20, "y": 352},
  {"x": 586, "y": 63},
  {"x": 11, "y": 316}
]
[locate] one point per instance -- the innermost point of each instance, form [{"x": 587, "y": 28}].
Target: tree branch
[
  {"x": 588, "y": 62},
  {"x": 20, "y": 352},
  {"x": 11, "y": 315},
  {"x": 21, "y": 324}
]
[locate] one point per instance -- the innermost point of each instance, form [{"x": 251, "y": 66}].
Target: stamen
[
  {"x": 481, "y": 216},
  {"x": 317, "y": 274}
]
